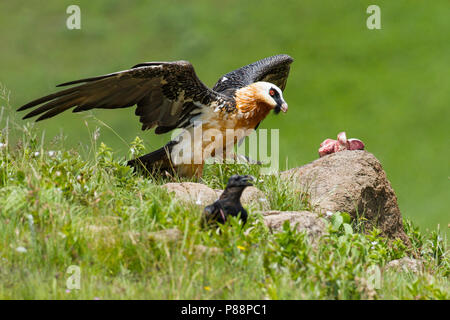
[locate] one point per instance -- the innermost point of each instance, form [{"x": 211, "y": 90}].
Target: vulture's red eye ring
[{"x": 272, "y": 92}]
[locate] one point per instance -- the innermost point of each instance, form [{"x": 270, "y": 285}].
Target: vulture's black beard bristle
[{"x": 277, "y": 110}]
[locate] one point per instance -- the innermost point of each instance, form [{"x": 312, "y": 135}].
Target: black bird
[{"x": 229, "y": 202}]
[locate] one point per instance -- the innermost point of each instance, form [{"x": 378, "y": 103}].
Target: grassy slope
[
  {"x": 58, "y": 209},
  {"x": 387, "y": 87}
]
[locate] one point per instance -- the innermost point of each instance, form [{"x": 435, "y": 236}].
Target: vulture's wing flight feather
[
  {"x": 273, "y": 69},
  {"x": 167, "y": 95}
]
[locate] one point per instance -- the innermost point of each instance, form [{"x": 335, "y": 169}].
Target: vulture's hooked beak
[
  {"x": 284, "y": 107},
  {"x": 281, "y": 106}
]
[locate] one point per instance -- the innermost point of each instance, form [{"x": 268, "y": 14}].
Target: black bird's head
[
  {"x": 235, "y": 186},
  {"x": 237, "y": 181}
]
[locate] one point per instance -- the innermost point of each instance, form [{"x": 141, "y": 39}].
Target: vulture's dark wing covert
[
  {"x": 273, "y": 69},
  {"x": 167, "y": 95}
]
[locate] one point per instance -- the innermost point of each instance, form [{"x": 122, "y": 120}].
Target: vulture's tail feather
[{"x": 154, "y": 162}]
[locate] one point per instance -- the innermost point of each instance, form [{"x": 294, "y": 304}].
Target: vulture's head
[
  {"x": 272, "y": 95},
  {"x": 265, "y": 93}
]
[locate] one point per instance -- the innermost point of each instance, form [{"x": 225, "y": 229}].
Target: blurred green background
[{"x": 388, "y": 87}]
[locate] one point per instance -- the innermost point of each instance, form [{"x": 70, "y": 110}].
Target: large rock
[
  {"x": 354, "y": 182},
  {"x": 204, "y": 195},
  {"x": 302, "y": 220}
]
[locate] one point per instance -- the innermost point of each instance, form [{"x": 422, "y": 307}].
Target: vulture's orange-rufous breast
[{"x": 252, "y": 106}]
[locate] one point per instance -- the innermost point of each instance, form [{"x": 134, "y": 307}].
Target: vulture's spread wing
[
  {"x": 273, "y": 69},
  {"x": 167, "y": 95}
]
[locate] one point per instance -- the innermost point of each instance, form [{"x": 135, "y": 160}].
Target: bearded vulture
[{"x": 169, "y": 95}]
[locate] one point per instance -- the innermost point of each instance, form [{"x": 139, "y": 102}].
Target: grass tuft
[{"x": 59, "y": 208}]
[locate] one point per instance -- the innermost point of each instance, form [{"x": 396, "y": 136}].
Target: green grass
[
  {"x": 387, "y": 87},
  {"x": 64, "y": 208}
]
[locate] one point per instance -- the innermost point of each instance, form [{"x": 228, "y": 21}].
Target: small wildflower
[
  {"x": 207, "y": 288},
  {"x": 198, "y": 201},
  {"x": 79, "y": 178},
  {"x": 36, "y": 154},
  {"x": 58, "y": 173},
  {"x": 62, "y": 235},
  {"x": 21, "y": 249},
  {"x": 96, "y": 298},
  {"x": 51, "y": 153},
  {"x": 241, "y": 248},
  {"x": 329, "y": 213},
  {"x": 374, "y": 243},
  {"x": 30, "y": 219},
  {"x": 67, "y": 291},
  {"x": 262, "y": 199}
]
